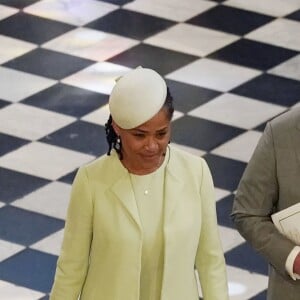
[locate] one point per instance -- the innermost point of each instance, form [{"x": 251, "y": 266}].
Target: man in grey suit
[{"x": 270, "y": 183}]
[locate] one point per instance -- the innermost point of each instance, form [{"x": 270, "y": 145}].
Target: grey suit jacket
[{"x": 271, "y": 182}]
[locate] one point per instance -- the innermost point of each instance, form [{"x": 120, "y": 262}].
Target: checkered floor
[{"x": 231, "y": 66}]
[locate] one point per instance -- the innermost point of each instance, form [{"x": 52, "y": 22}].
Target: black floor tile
[
  {"x": 226, "y": 172},
  {"x": 4, "y": 103},
  {"x": 117, "y": 2},
  {"x": 26, "y": 227},
  {"x": 9, "y": 143},
  {"x": 162, "y": 60},
  {"x": 224, "y": 208},
  {"x": 294, "y": 16},
  {"x": 14, "y": 185},
  {"x": 31, "y": 28},
  {"x": 18, "y": 3},
  {"x": 130, "y": 24},
  {"x": 67, "y": 100},
  {"x": 80, "y": 136},
  {"x": 31, "y": 269},
  {"x": 253, "y": 54},
  {"x": 201, "y": 134},
  {"x": 230, "y": 20},
  {"x": 69, "y": 178},
  {"x": 271, "y": 88},
  {"x": 245, "y": 257},
  {"x": 48, "y": 63},
  {"x": 187, "y": 97}
]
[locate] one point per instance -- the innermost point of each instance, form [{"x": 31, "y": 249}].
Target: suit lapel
[{"x": 295, "y": 135}]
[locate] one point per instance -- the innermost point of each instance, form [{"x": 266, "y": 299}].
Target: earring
[{"x": 118, "y": 143}]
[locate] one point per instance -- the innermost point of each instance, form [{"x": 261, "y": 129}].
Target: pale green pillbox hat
[{"x": 137, "y": 97}]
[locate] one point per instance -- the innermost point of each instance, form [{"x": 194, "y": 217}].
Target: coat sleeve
[
  {"x": 256, "y": 198},
  {"x": 210, "y": 262},
  {"x": 73, "y": 261}
]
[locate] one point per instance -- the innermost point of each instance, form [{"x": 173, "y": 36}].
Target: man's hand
[{"x": 296, "y": 267}]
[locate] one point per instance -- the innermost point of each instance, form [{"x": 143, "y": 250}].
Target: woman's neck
[{"x": 138, "y": 170}]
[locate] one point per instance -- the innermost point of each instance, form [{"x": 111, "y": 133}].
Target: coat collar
[{"x": 122, "y": 187}]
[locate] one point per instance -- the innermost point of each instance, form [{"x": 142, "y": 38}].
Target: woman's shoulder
[
  {"x": 101, "y": 164},
  {"x": 184, "y": 164}
]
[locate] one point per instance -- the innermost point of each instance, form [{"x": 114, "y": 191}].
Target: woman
[{"x": 141, "y": 218}]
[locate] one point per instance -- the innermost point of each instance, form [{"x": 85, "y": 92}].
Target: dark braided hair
[{"x": 112, "y": 137}]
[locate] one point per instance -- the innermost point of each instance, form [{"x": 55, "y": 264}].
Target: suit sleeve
[
  {"x": 210, "y": 262},
  {"x": 256, "y": 198},
  {"x": 73, "y": 261}
]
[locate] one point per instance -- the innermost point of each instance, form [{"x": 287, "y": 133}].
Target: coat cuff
[{"x": 289, "y": 264}]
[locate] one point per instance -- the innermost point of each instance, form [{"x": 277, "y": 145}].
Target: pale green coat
[{"x": 101, "y": 252}]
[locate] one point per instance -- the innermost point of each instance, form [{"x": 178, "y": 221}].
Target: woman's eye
[
  {"x": 139, "y": 135},
  {"x": 162, "y": 134}
]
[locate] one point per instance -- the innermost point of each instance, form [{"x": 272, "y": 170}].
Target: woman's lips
[{"x": 151, "y": 156}]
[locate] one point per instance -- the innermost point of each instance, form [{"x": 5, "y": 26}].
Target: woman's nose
[{"x": 151, "y": 144}]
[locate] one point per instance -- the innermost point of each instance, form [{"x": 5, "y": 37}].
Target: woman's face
[{"x": 144, "y": 147}]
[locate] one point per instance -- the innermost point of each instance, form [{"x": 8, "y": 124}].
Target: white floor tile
[
  {"x": 44, "y": 160},
  {"x": 237, "y": 111},
  {"x": 99, "y": 116},
  {"x": 175, "y": 10},
  {"x": 243, "y": 285},
  {"x": 177, "y": 114},
  {"x": 51, "y": 200},
  {"x": 220, "y": 193},
  {"x": 6, "y": 11},
  {"x": 10, "y": 291},
  {"x": 51, "y": 244},
  {"x": 281, "y": 32},
  {"x": 191, "y": 39},
  {"x": 240, "y": 148},
  {"x": 289, "y": 69},
  {"x": 30, "y": 122},
  {"x": 90, "y": 44},
  {"x": 28, "y": 84},
  {"x": 99, "y": 77},
  {"x": 276, "y": 8},
  {"x": 230, "y": 238},
  {"x": 9, "y": 249},
  {"x": 296, "y": 105},
  {"x": 213, "y": 74},
  {"x": 12, "y": 48},
  {"x": 74, "y": 12}
]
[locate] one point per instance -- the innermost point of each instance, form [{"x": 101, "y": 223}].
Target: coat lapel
[
  {"x": 173, "y": 187},
  {"x": 122, "y": 189}
]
